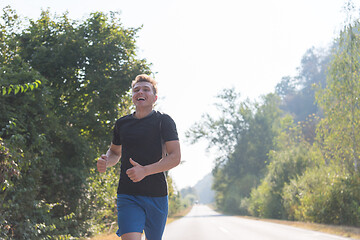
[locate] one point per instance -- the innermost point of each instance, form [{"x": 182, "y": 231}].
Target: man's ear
[{"x": 156, "y": 98}]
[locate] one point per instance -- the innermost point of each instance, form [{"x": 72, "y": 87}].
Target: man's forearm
[
  {"x": 138, "y": 172},
  {"x": 165, "y": 164},
  {"x": 112, "y": 158}
]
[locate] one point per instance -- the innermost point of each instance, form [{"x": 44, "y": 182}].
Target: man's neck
[{"x": 141, "y": 113}]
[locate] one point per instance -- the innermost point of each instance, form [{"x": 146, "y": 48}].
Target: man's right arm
[{"x": 111, "y": 158}]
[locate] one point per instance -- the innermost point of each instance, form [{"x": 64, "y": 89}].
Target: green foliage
[
  {"x": 324, "y": 195},
  {"x": 54, "y": 133},
  {"x": 339, "y": 131},
  {"x": 175, "y": 202},
  {"x": 243, "y": 134},
  {"x": 8, "y": 172},
  {"x": 312, "y": 175},
  {"x": 101, "y": 198},
  {"x": 188, "y": 196},
  {"x": 8, "y": 168},
  {"x": 223, "y": 133},
  {"x": 236, "y": 193},
  {"x": 20, "y": 88},
  {"x": 290, "y": 159},
  {"x": 329, "y": 192},
  {"x": 269, "y": 166},
  {"x": 298, "y": 92}
]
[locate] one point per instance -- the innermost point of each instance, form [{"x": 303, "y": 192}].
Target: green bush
[
  {"x": 323, "y": 195},
  {"x": 267, "y": 199},
  {"x": 56, "y": 130},
  {"x": 175, "y": 203}
]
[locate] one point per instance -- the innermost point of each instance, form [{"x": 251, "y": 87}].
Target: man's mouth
[{"x": 141, "y": 99}]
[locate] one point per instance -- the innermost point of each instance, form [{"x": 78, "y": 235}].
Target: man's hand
[
  {"x": 101, "y": 163},
  {"x": 137, "y": 172}
]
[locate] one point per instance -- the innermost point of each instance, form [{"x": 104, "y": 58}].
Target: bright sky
[{"x": 199, "y": 47}]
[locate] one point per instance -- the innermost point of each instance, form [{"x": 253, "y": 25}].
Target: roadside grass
[
  {"x": 344, "y": 231},
  {"x": 178, "y": 215},
  {"x": 109, "y": 236}
]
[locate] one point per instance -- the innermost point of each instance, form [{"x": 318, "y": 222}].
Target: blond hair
[{"x": 145, "y": 78}]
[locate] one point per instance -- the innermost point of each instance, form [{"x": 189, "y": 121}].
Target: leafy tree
[
  {"x": 329, "y": 191},
  {"x": 339, "y": 129},
  {"x": 222, "y": 133},
  {"x": 59, "y": 129},
  {"x": 288, "y": 160},
  {"x": 323, "y": 195},
  {"x": 175, "y": 203},
  {"x": 286, "y": 87},
  {"x": 244, "y": 134},
  {"x": 298, "y": 93}
]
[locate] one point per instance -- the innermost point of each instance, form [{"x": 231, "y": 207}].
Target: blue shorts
[{"x": 138, "y": 213}]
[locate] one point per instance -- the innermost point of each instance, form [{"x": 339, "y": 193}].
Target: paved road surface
[{"x": 202, "y": 223}]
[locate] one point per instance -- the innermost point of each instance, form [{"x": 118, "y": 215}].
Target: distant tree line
[
  {"x": 293, "y": 154},
  {"x": 63, "y": 84}
]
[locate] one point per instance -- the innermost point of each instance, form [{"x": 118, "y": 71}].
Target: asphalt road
[{"x": 202, "y": 223}]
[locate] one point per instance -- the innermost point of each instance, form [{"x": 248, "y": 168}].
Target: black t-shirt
[{"x": 141, "y": 140}]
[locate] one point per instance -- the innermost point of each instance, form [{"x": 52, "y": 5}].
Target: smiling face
[{"x": 143, "y": 95}]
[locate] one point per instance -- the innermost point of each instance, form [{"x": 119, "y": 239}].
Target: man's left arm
[{"x": 138, "y": 172}]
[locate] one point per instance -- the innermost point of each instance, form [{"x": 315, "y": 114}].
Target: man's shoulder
[
  {"x": 162, "y": 115},
  {"x": 165, "y": 119},
  {"x": 124, "y": 118}
]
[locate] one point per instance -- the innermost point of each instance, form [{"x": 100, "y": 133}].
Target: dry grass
[
  {"x": 111, "y": 236},
  {"x": 351, "y": 232},
  {"x": 344, "y": 231},
  {"x": 178, "y": 215}
]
